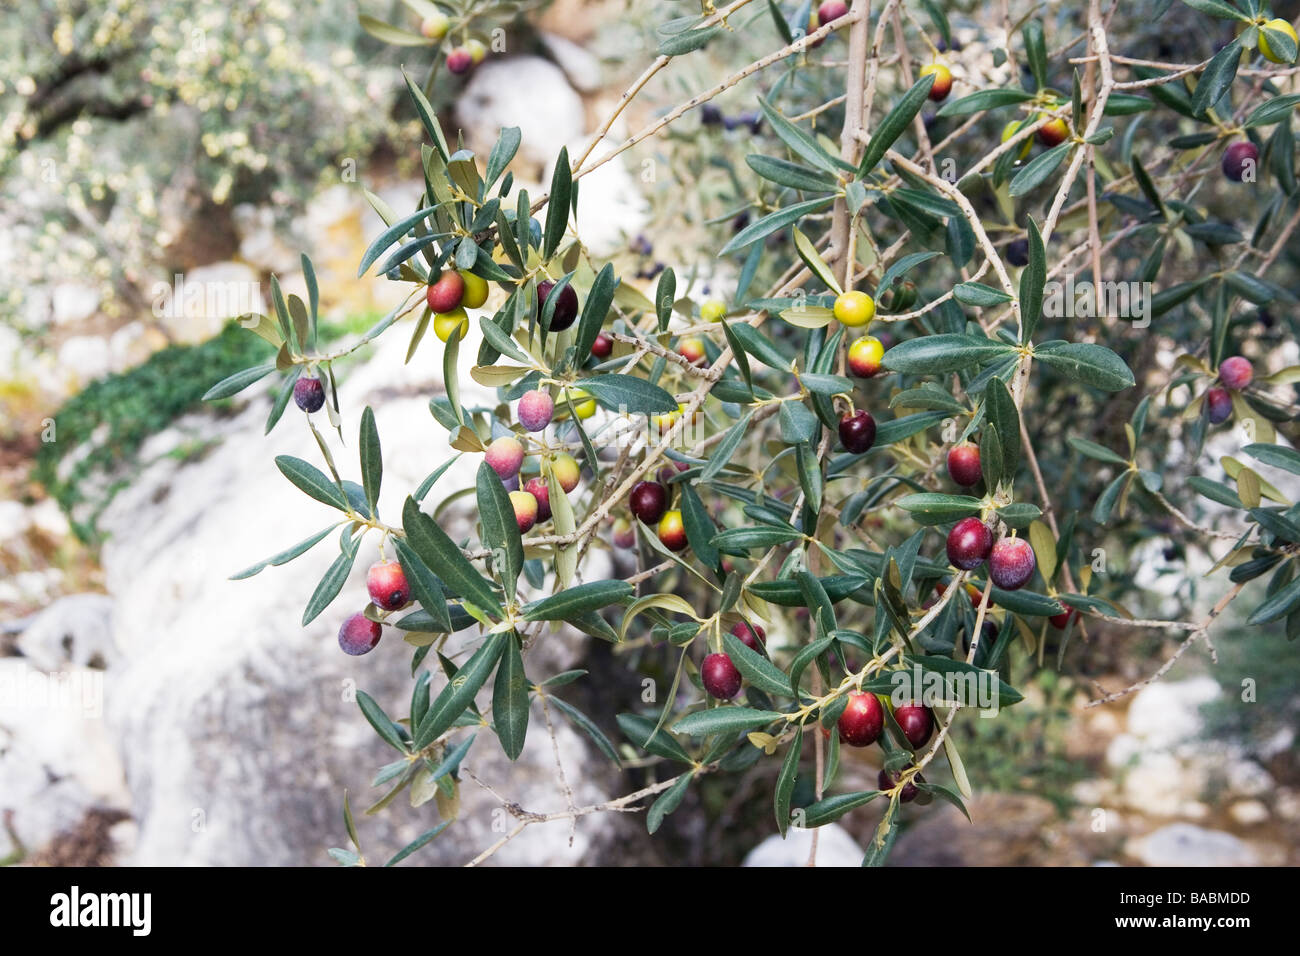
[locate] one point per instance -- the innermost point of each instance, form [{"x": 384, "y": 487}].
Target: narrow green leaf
[
  {"x": 785, "y": 783},
  {"x": 945, "y": 794},
  {"x": 794, "y": 175},
  {"x": 830, "y": 809},
  {"x": 312, "y": 481},
  {"x": 1076, "y": 99},
  {"x": 1276, "y": 524},
  {"x": 1215, "y": 491},
  {"x": 348, "y": 822},
  {"x": 900, "y": 428},
  {"x": 459, "y": 693},
  {"x": 828, "y": 385},
  {"x": 1106, "y": 503},
  {"x": 238, "y": 382},
  {"x": 557, "y": 205},
  {"x": 807, "y": 654},
  {"x": 500, "y": 340},
  {"x": 667, "y": 802},
  {"x": 1032, "y": 280},
  {"x": 739, "y": 540},
  {"x": 787, "y": 593},
  {"x": 991, "y": 466},
  {"x": 424, "y": 586},
  {"x": 687, "y": 42},
  {"x": 418, "y": 843},
  {"x": 1019, "y": 514},
  {"x": 1277, "y": 606},
  {"x": 510, "y": 699},
  {"x": 503, "y": 152},
  {"x": 895, "y": 121},
  {"x": 372, "y": 462},
  {"x": 1144, "y": 183},
  {"x": 1035, "y": 51},
  {"x": 936, "y": 508},
  {"x": 301, "y": 322},
  {"x": 798, "y": 423},
  {"x": 584, "y": 723},
  {"x": 926, "y": 201},
  {"x": 1217, "y": 77},
  {"x": 807, "y": 251},
  {"x": 727, "y": 447},
  {"x": 978, "y": 295},
  {"x": 1250, "y": 288},
  {"x": 811, "y": 479},
  {"x": 724, "y": 719},
  {"x": 665, "y": 295},
  {"x": 375, "y": 715},
  {"x": 1093, "y": 450},
  {"x": 928, "y": 396},
  {"x": 391, "y": 34},
  {"x": 500, "y": 528},
  {"x": 1002, "y": 412},
  {"x": 699, "y": 526},
  {"x": 760, "y": 346},
  {"x": 641, "y": 731},
  {"x": 391, "y": 235},
  {"x": 778, "y": 18},
  {"x": 902, "y": 266},
  {"x": 591, "y": 596},
  {"x": 755, "y": 667},
  {"x": 429, "y": 482},
  {"x": 285, "y": 556},
  {"x": 1216, "y": 8},
  {"x": 1039, "y": 168},
  {"x": 1093, "y": 365},
  {"x": 799, "y": 142},
  {"x": 878, "y": 850},
  {"x": 629, "y": 394},
  {"x": 331, "y": 584},
  {"x": 1273, "y": 110},
  {"x": 1278, "y": 456},
  {"x": 437, "y": 550},
  {"x": 282, "y": 400},
  {"x": 1125, "y": 104},
  {"x": 937, "y": 354},
  {"x": 772, "y": 222},
  {"x": 595, "y": 309},
  {"x": 1166, "y": 299},
  {"x": 984, "y": 100}
]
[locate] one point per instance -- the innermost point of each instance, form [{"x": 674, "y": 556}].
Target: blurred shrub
[
  {"x": 1260, "y": 676},
  {"x": 100, "y": 429},
  {"x": 1023, "y": 750},
  {"x": 117, "y": 117}
]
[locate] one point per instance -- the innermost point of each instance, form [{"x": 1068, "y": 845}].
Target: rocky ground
[{"x": 151, "y": 711}]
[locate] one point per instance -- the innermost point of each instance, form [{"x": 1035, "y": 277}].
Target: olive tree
[{"x": 1067, "y": 275}]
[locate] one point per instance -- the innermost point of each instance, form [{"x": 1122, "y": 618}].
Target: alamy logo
[
  {"x": 967, "y": 687},
  {"x": 102, "y": 909},
  {"x": 1098, "y": 300},
  {"x": 196, "y": 299}
]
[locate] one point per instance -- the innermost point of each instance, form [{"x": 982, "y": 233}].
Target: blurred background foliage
[{"x": 142, "y": 112}]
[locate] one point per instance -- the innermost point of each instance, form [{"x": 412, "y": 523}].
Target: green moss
[{"x": 129, "y": 407}]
